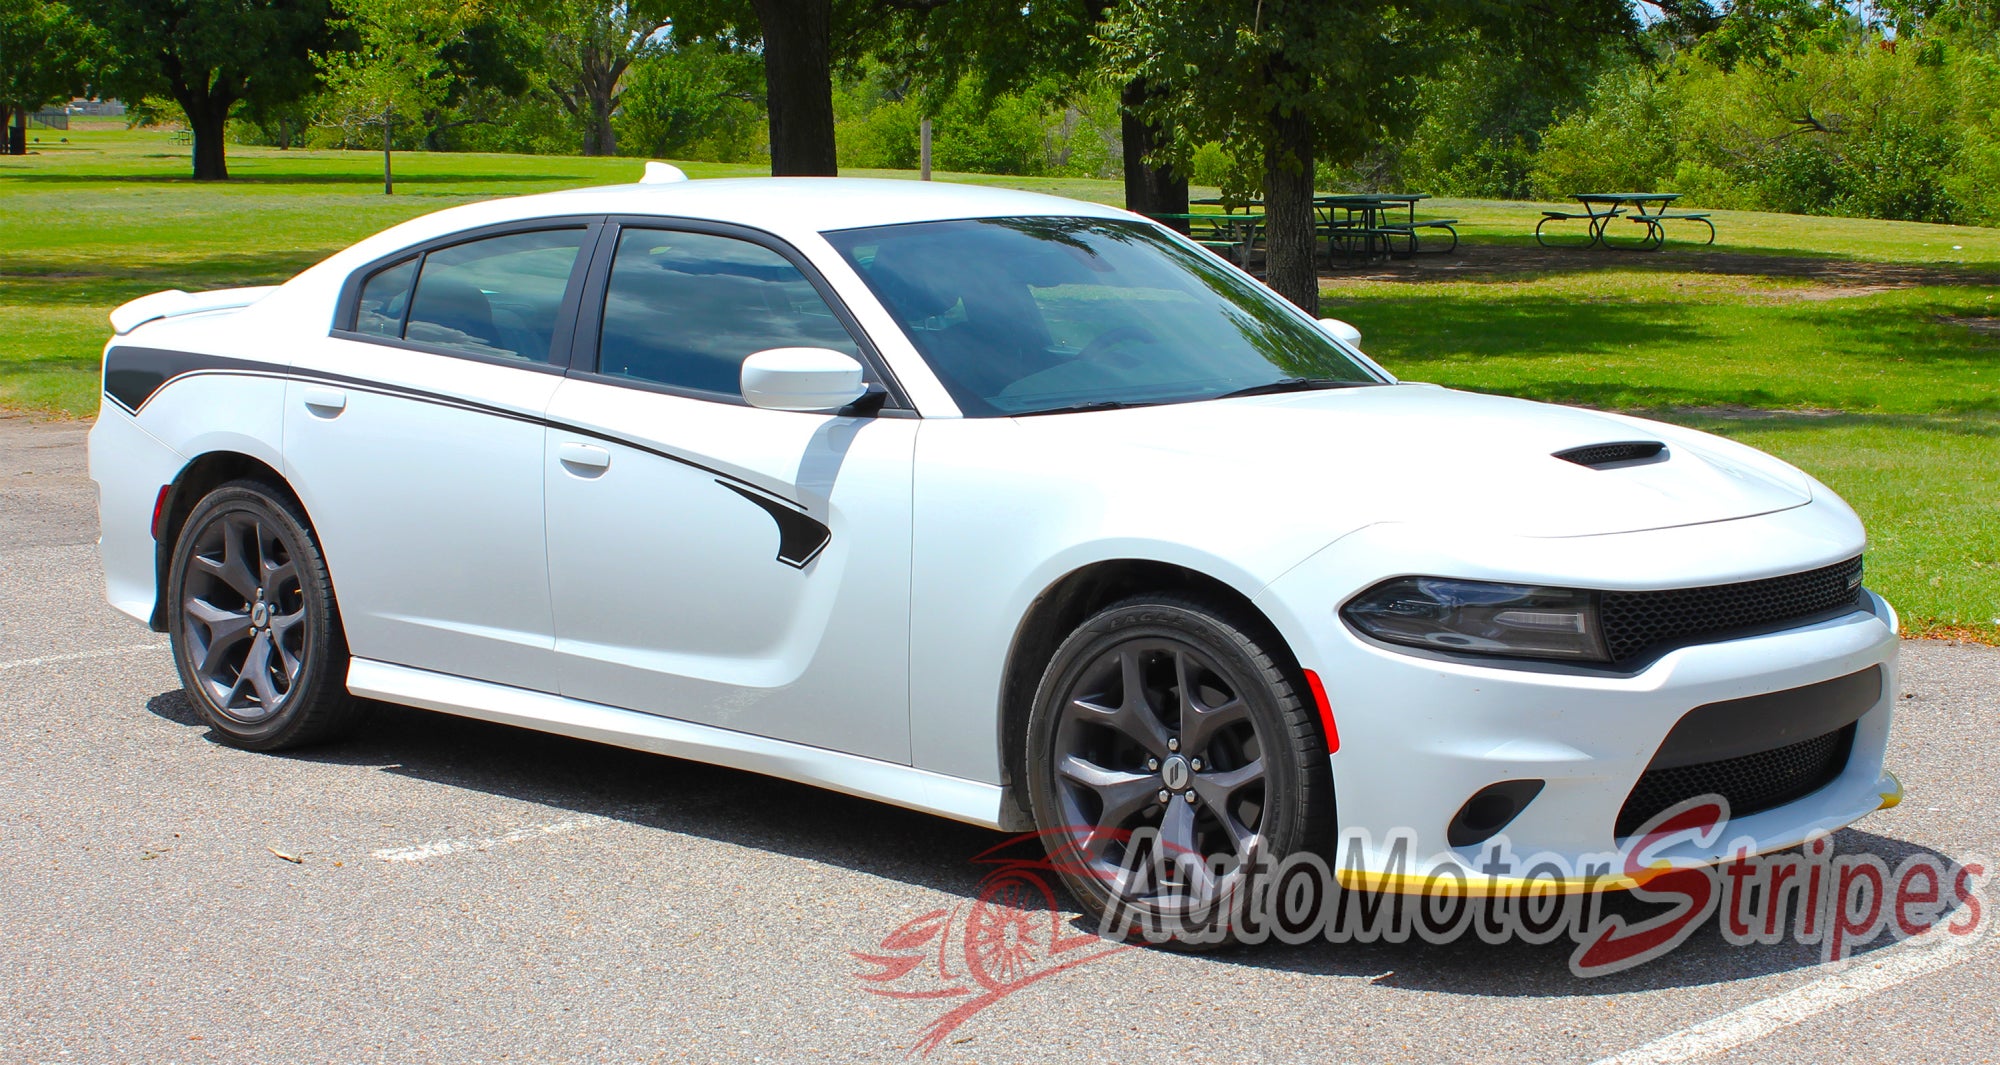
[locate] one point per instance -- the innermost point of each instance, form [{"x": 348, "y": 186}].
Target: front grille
[
  {"x": 1751, "y": 782},
  {"x": 1637, "y": 624}
]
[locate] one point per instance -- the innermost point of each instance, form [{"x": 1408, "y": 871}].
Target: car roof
[{"x": 793, "y": 206}]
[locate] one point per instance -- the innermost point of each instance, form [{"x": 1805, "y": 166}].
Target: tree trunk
[
  {"x": 599, "y": 137},
  {"x": 208, "y": 121},
  {"x": 798, "y": 72},
  {"x": 1290, "y": 227},
  {"x": 16, "y": 122},
  {"x": 388, "y": 175},
  {"x": 1149, "y": 189}
]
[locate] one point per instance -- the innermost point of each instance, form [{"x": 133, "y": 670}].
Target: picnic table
[
  {"x": 1368, "y": 223},
  {"x": 1225, "y": 231},
  {"x": 1365, "y": 224},
  {"x": 1599, "y": 208}
]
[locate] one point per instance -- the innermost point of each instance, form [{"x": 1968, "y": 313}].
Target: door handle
[
  {"x": 584, "y": 460},
  {"x": 326, "y": 402}
]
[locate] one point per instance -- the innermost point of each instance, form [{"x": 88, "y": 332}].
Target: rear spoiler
[{"x": 174, "y": 302}]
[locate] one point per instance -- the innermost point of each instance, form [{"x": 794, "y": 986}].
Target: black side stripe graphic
[
  {"x": 133, "y": 376},
  {"x": 800, "y": 537}
]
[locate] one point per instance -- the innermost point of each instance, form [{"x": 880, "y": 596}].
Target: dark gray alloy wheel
[
  {"x": 1168, "y": 741},
  {"x": 256, "y": 634}
]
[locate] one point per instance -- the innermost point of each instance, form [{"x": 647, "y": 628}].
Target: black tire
[
  {"x": 1229, "y": 658},
  {"x": 256, "y": 632}
]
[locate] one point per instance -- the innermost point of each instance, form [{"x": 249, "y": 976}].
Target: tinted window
[
  {"x": 497, "y": 296},
  {"x": 1018, "y": 315},
  {"x": 684, "y": 309},
  {"x": 384, "y": 298}
]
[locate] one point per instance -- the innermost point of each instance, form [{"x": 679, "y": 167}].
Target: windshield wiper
[
  {"x": 1291, "y": 384},
  {"x": 1101, "y": 404}
]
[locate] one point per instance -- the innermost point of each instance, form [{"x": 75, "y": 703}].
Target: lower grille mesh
[{"x": 1751, "y": 783}]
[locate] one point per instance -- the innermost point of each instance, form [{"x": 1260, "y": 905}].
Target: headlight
[{"x": 1477, "y": 617}]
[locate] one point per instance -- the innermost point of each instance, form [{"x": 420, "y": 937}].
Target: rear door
[
  {"x": 710, "y": 561},
  {"x": 414, "y": 435}
]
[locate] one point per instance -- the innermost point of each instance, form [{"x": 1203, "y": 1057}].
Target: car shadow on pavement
[
  {"x": 677, "y": 797},
  {"x": 651, "y": 791}
]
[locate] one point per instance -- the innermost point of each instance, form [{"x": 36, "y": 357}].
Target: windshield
[{"x": 1028, "y": 315}]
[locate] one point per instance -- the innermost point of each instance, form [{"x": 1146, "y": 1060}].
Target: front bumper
[{"x": 1420, "y": 736}]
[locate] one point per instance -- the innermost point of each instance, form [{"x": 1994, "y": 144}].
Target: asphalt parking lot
[{"x": 443, "y": 890}]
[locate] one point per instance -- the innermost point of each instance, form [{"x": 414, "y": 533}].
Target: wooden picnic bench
[
  {"x": 1233, "y": 236},
  {"x": 1689, "y": 216},
  {"x": 1409, "y": 229},
  {"x": 1599, "y": 208}
]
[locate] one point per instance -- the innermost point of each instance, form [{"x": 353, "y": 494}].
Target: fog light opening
[{"x": 1490, "y": 809}]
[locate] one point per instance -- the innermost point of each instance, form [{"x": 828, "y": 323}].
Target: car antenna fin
[{"x": 658, "y": 173}]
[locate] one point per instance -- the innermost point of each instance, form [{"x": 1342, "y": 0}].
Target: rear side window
[
  {"x": 498, "y": 296},
  {"x": 684, "y": 309},
  {"x": 385, "y": 298}
]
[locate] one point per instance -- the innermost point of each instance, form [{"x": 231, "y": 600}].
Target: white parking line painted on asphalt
[
  {"x": 78, "y": 656},
  {"x": 1857, "y": 979},
  {"x": 441, "y": 847}
]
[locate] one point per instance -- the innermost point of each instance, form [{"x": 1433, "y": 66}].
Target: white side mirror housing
[
  {"x": 803, "y": 379},
  {"x": 1342, "y": 332}
]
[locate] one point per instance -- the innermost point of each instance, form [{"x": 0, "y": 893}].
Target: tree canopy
[
  {"x": 46, "y": 53},
  {"x": 1810, "y": 105},
  {"x": 211, "y": 55}
]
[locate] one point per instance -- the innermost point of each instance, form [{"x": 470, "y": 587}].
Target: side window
[
  {"x": 684, "y": 309},
  {"x": 496, "y": 296},
  {"x": 385, "y": 296}
]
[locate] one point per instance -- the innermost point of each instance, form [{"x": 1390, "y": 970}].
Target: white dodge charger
[{"x": 1020, "y": 510}]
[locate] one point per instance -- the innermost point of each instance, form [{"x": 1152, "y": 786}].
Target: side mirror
[
  {"x": 1342, "y": 332},
  {"x": 802, "y": 379}
]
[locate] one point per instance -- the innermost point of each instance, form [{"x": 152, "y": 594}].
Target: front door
[{"x": 710, "y": 561}]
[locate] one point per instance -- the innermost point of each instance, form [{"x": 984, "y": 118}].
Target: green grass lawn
[{"x": 1866, "y": 352}]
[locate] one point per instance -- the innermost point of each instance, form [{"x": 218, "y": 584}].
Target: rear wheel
[
  {"x": 1167, "y": 746},
  {"x": 256, "y": 633}
]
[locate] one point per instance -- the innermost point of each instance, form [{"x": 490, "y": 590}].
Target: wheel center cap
[
  {"x": 1175, "y": 774},
  {"x": 260, "y": 615}
]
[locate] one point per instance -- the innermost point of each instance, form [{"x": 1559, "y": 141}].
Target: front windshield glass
[{"x": 1029, "y": 315}]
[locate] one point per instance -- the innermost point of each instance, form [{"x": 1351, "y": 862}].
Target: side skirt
[{"x": 900, "y": 785}]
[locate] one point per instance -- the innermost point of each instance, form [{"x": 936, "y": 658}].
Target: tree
[
  {"x": 397, "y": 65},
  {"x": 1288, "y": 83},
  {"x": 495, "y": 59},
  {"x": 45, "y": 54},
  {"x": 696, "y": 91},
  {"x": 590, "y": 45},
  {"x": 802, "y": 42},
  {"x": 1009, "y": 45},
  {"x": 798, "y": 78},
  {"x": 210, "y": 55}
]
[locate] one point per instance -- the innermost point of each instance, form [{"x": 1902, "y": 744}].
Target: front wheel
[
  {"x": 1168, "y": 745},
  {"x": 256, "y": 633}
]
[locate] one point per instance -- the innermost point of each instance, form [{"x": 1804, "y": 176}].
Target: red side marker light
[
  {"x": 1325, "y": 711},
  {"x": 160, "y": 508}
]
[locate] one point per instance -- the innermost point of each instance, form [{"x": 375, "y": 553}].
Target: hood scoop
[{"x": 1615, "y": 455}]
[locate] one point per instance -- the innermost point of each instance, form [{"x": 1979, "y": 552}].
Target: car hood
[{"x": 1420, "y": 453}]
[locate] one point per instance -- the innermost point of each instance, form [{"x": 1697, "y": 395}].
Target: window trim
[
  {"x": 348, "y": 307},
  {"x": 583, "y": 347}
]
